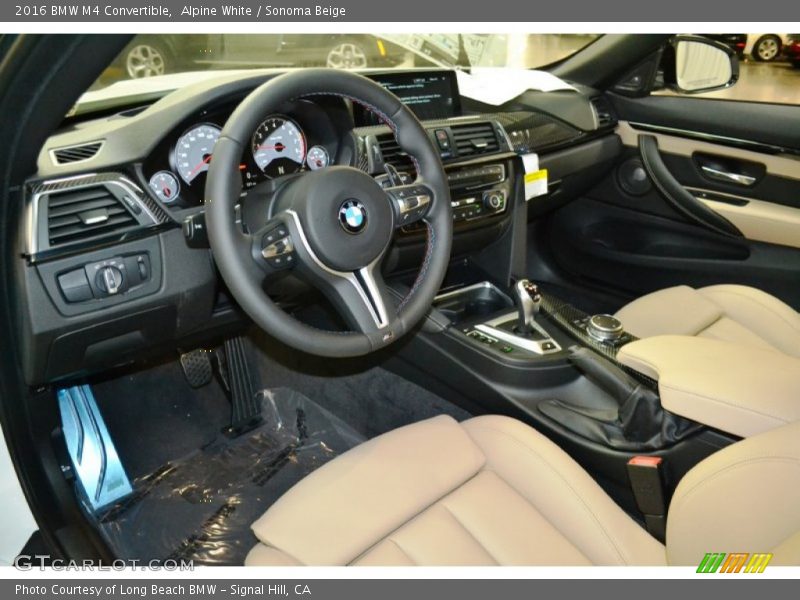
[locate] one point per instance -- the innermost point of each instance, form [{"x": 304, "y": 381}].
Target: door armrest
[{"x": 731, "y": 387}]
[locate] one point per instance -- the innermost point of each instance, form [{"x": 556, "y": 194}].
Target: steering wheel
[{"x": 332, "y": 227}]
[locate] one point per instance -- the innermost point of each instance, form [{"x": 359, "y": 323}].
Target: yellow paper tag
[
  {"x": 540, "y": 174},
  {"x": 535, "y": 184}
]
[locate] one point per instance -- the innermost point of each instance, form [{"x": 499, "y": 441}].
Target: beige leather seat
[
  {"x": 492, "y": 490},
  {"x": 731, "y": 313}
]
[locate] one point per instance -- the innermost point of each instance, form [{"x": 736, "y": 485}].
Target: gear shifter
[{"x": 528, "y": 300}]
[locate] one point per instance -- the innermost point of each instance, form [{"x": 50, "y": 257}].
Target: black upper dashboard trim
[{"x": 130, "y": 136}]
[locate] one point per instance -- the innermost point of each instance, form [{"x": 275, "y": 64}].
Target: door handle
[
  {"x": 727, "y": 177},
  {"x": 676, "y": 195}
]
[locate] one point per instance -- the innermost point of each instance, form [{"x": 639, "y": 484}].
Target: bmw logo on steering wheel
[{"x": 353, "y": 216}]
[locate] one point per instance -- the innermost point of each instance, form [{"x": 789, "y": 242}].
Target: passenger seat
[{"x": 731, "y": 313}]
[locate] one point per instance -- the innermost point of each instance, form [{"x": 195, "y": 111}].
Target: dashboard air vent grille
[
  {"x": 392, "y": 154},
  {"x": 84, "y": 214},
  {"x": 472, "y": 139},
  {"x": 71, "y": 154},
  {"x": 603, "y": 112}
]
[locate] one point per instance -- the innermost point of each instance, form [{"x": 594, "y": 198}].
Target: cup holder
[{"x": 479, "y": 300}]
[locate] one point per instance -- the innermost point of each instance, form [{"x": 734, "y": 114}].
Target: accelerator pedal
[
  {"x": 197, "y": 367},
  {"x": 96, "y": 465},
  {"x": 234, "y": 372}
]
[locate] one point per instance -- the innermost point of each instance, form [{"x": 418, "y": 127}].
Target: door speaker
[{"x": 633, "y": 178}]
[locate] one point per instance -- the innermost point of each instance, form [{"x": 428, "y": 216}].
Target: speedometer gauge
[
  {"x": 279, "y": 147},
  {"x": 194, "y": 149}
]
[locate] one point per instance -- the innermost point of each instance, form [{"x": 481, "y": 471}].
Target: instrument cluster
[{"x": 299, "y": 137}]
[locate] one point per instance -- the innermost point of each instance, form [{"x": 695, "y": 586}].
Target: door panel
[
  {"x": 634, "y": 253},
  {"x": 752, "y": 123},
  {"x": 758, "y": 193},
  {"x": 629, "y": 236}
]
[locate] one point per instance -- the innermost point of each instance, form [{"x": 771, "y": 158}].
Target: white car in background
[{"x": 765, "y": 47}]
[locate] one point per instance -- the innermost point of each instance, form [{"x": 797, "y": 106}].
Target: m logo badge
[{"x": 735, "y": 562}]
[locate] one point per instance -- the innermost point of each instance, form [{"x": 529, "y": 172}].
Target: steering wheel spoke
[
  {"x": 362, "y": 299},
  {"x": 410, "y": 203}
]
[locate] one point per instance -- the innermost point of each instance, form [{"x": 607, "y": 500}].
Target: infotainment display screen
[{"x": 430, "y": 94}]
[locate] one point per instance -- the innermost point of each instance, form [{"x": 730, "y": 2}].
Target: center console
[
  {"x": 477, "y": 193},
  {"x": 524, "y": 352}
]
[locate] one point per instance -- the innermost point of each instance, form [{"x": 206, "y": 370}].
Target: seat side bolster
[
  {"x": 263, "y": 555},
  {"x": 774, "y": 321},
  {"x": 678, "y": 310},
  {"x": 743, "y": 498},
  {"x": 563, "y": 493},
  {"x": 348, "y": 505},
  {"x": 742, "y": 390}
]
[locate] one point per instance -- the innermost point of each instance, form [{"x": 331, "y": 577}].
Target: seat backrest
[{"x": 742, "y": 499}]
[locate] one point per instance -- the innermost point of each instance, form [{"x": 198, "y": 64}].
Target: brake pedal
[
  {"x": 236, "y": 378},
  {"x": 197, "y": 367}
]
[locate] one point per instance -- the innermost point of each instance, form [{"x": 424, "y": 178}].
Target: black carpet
[
  {"x": 370, "y": 400},
  {"x": 153, "y": 415}
]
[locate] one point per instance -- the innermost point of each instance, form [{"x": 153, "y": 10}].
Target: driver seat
[{"x": 492, "y": 490}]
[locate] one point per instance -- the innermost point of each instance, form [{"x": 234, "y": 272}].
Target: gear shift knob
[{"x": 528, "y": 300}]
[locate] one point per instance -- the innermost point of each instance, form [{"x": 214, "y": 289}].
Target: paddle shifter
[{"x": 528, "y": 300}]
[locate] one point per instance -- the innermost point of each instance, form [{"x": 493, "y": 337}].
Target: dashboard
[{"x": 110, "y": 264}]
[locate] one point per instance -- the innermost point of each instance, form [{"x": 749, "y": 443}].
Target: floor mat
[{"x": 200, "y": 507}]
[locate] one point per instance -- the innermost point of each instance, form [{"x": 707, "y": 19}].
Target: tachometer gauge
[
  {"x": 317, "y": 158},
  {"x": 194, "y": 149},
  {"x": 279, "y": 147},
  {"x": 166, "y": 186}
]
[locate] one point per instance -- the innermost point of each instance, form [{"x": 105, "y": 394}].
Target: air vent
[
  {"x": 392, "y": 154},
  {"x": 84, "y": 214},
  {"x": 72, "y": 154},
  {"x": 472, "y": 139},
  {"x": 603, "y": 113}
]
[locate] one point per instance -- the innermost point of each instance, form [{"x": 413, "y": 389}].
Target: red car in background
[{"x": 791, "y": 50}]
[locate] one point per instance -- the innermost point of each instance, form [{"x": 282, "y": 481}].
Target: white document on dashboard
[
  {"x": 497, "y": 86},
  {"x": 535, "y": 177}
]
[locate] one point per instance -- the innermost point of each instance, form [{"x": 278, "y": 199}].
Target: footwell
[{"x": 200, "y": 507}]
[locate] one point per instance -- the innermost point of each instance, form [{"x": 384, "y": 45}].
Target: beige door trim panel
[
  {"x": 762, "y": 221},
  {"x": 781, "y": 165}
]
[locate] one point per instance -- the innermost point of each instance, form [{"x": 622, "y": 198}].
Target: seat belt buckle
[{"x": 647, "y": 482}]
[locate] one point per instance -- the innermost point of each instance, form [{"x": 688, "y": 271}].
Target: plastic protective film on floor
[{"x": 200, "y": 507}]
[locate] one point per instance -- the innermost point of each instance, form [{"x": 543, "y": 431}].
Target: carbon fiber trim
[
  {"x": 526, "y": 131},
  {"x": 535, "y": 132},
  {"x": 151, "y": 214},
  {"x": 567, "y": 318}
]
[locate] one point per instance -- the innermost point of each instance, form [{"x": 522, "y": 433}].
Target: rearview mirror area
[{"x": 694, "y": 64}]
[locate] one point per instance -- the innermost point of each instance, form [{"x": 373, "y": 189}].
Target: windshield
[{"x": 153, "y": 64}]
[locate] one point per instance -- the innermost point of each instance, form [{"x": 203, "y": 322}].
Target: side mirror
[{"x": 694, "y": 64}]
